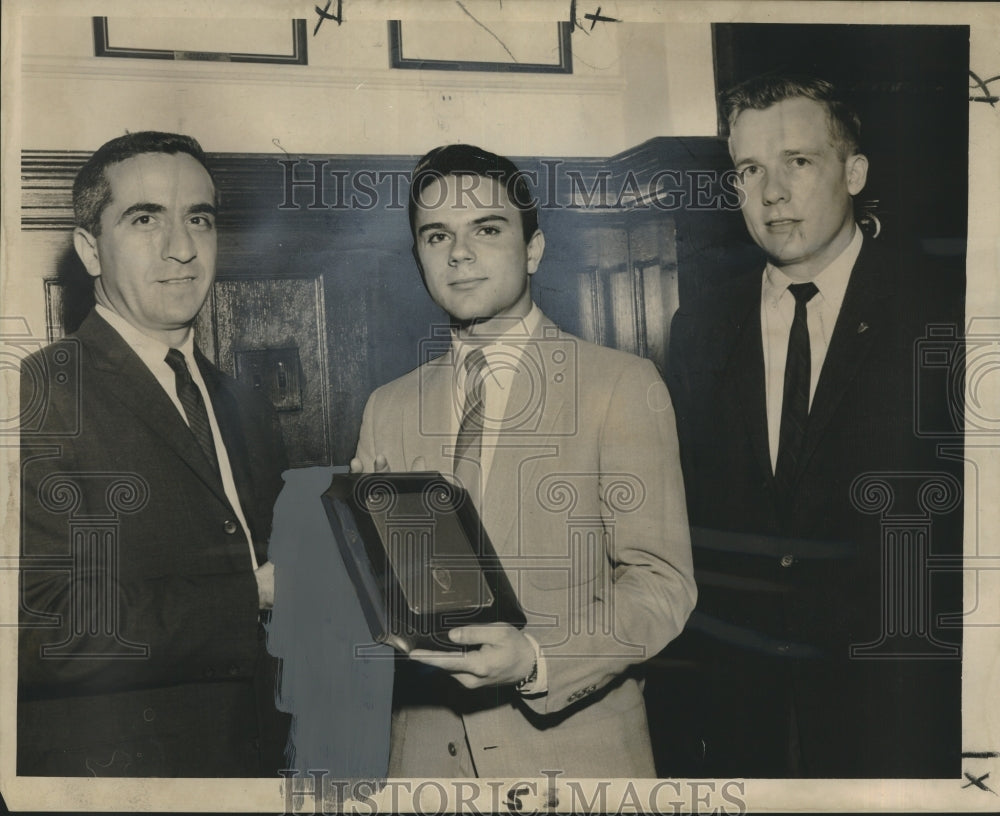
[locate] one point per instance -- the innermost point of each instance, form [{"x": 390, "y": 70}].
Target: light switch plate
[{"x": 276, "y": 373}]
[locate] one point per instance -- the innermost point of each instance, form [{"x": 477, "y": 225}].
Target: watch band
[{"x": 531, "y": 678}]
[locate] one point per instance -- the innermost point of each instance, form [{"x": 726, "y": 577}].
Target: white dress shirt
[
  {"x": 503, "y": 356},
  {"x": 777, "y": 309},
  {"x": 153, "y": 354}
]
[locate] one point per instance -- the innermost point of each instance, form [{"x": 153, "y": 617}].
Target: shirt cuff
[{"x": 540, "y": 685}]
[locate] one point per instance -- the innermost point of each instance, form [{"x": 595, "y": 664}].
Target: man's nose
[
  {"x": 774, "y": 187},
  {"x": 178, "y": 245},
  {"x": 461, "y": 251}
]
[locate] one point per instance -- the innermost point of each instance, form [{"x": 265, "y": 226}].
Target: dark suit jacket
[
  {"x": 140, "y": 648},
  {"x": 784, "y": 596}
]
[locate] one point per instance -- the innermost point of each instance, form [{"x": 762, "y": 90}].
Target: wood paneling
[
  {"x": 335, "y": 278},
  {"x": 278, "y": 313}
]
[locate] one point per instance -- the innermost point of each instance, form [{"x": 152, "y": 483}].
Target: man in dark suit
[
  {"x": 148, "y": 480},
  {"x": 817, "y": 507}
]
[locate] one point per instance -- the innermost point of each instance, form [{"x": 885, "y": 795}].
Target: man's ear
[
  {"x": 536, "y": 248},
  {"x": 857, "y": 173},
  {"x": 85, "y": 245}
]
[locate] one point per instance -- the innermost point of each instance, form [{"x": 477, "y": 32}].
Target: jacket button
[
  {"x": 452, "y": 749},
  {"x": 787, "y": 560},
  {"x": 234, "y": 670},
  {"x": 148, "y": 715},
  {"x": 230, "y": 526}
]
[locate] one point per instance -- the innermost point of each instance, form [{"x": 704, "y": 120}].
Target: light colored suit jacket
[{"x": 585, "y": 507}]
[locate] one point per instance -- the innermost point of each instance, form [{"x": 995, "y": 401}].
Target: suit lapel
[
  {"x": 225, "y": 406},
  {"x": 126, "y": 378},
  {"x": 858, "y": 327},
  {"x": 745, "y": 370},
  {"x": 430, "y": 430},
  {"x": 537, "y": 400}
]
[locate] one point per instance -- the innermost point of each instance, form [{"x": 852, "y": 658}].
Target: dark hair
[
  {"x": 760, "y": 92},
  {"x": 91, "y": 190},
  {"x": 468, "y": 160}
]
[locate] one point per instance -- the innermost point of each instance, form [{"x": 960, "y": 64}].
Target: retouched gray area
[{"x": 340, "y": 701}]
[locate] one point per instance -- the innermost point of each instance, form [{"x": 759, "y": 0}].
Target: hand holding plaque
[
  {"x": 497, "y": 653},
  {"x": 419, "y": 558}
]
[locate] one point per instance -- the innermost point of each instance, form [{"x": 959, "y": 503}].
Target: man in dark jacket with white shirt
[{"x": 148, "y": 480}]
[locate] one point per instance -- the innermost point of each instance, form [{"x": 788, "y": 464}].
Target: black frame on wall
[
  {"x": 564, "y": 65},
  {"x": 299, "y": 54}
]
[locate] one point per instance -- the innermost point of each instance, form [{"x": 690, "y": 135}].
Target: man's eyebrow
[
  {"x": 432, "y": 226},
  {"x": 141, "y": 207},
  {"x": 481, "y": 220},
  {"x": 208, "y": 209},
  {"x": 787, "y": 152}
]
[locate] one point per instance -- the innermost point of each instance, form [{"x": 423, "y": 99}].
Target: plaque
[{"x": 419, "y": 558}]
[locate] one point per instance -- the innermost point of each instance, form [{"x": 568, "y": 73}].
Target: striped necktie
[
  {"x": 194, "y": 406},
  {"x": 469, "y": 444}
]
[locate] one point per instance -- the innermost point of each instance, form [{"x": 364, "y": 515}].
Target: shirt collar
[
  {"x": 521, "y": 329},
  {"x": 150, "y": 350},
  {"x": 831, "y": 282}
]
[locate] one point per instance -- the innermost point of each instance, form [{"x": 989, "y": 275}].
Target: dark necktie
[
  {"x": 795, "y": 400},
  {"x": 469, "y": 445},
  {"x": 194, "y": 405}
]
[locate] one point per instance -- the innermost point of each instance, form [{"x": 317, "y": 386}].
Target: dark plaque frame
[{"x": 419, "y": 558}]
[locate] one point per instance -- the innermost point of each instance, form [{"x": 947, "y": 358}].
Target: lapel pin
[{"x": 862, "y": 327}]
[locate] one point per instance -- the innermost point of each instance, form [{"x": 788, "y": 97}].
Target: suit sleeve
[
  {"x": 382, "y": 429},
  {"x": 680, "y": 377},
  {"x": 648, "y": 550},
  {"x": 676, "y": 355},
  {"x": 366, "y": 438}
]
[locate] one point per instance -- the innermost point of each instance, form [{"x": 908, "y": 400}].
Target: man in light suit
[
  {"x": 569, "y": 451},
  {"x": 817, "y": 504},
  {"x": 148, "y": 480}
]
